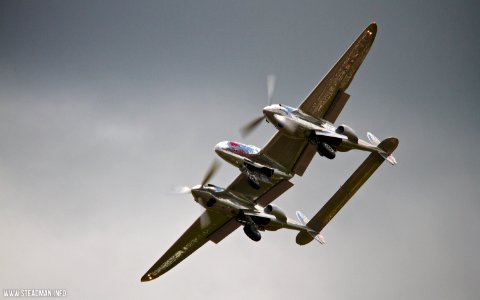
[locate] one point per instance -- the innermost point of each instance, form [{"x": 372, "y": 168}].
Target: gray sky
[{"x": 104, "y": 106}]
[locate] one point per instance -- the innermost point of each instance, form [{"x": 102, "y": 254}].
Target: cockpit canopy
[
  {"x": 285, "y": 109},
  {"x": 243, "y": 149}
]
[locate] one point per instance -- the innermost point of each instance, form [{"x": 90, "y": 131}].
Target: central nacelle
[
  {"x": 248, "y": 159},
  {"x": 235, "y": 153}
]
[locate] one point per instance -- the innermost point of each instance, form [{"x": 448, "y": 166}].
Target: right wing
[
  {"x": 326, "y": 102},
  {"x": 195, "y": 236},
  {"x": 338, "y": 79},
  {"x": 347, "y": 190}
]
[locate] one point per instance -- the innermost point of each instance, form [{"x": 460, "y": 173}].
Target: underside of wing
[
  {"x": 334, "y": 84},
  {"x": 195, "y": 237},
  {"x": 347, "y": 190},
  {"x": 263, "y": 196},
  {"x": 284, "y": 150}
]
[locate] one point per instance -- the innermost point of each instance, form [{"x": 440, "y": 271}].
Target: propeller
[
  {"x": 211, "y": 171},
  {"x": 181, "y": 190},
  {"x": 250, "y": 126},
  {"x": 204, "y": 217},
  {"x": 270, "y": 87},
  {"x": 208, "y": 175}
]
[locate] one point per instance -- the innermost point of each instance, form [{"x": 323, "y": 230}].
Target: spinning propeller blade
[
  {"x": 250, "y": 126},
  {"x": 181, "y": 190},
  {"x": 270, "y": 88},
  {"x": 211, "y": 171},
  {"x": 247, "y": 129},
  {"x": 204, "y": 219}
]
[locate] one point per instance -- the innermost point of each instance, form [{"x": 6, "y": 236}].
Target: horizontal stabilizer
[
  {"x": 347, "y": 190},
  {"x": 304, "y": 220},
  {"x": 376, "y": 142},
  {"x": 386, "y": 145}
]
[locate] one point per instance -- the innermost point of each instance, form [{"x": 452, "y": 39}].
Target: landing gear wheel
[
  {"x": 326, "y": 150},
  {"x": 253, "y": 183},
  {"x": 252, "y": 232}
]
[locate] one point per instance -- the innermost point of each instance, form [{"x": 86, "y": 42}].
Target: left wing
[{"x": 189, "y": 242}]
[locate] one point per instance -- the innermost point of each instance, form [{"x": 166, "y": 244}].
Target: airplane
[{"x": 246, "y": 202}]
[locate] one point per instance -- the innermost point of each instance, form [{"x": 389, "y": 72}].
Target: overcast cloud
[{"x": 104, "y": 106}]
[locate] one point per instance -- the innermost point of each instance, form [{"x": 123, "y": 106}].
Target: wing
[
  {"x": 338, "y": 79},
  {"x": 326, "y": 101},
  {"x": 195, "y": 236},
  {"x": 347, "y": 190}
]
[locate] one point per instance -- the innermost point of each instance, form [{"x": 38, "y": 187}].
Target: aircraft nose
[
  {"x": 222, "y": 150},
  {"x": 268, "y": 113},
  {"x": 197, "y": 192},
  {"x": 266, "y": 110},
  {"x": 221, "y": 146}
]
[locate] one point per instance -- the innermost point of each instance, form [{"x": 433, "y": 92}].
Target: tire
[
  {"x": 252, "y": 233},
  {"x": 326, "y": 150}
]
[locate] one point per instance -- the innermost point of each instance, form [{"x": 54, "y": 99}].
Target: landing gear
[
  {"x": 252, "y": 232},
  {"x": 326, "y": 150},
  {"x": 251, "y": 227},
  {"x": 324, "y": 145},
  {"x": 253, "y": 182}
]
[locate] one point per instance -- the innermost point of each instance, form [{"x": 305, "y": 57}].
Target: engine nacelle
[
  {"x": 347, "y": 131},
  {"x": 276, "y": 212}
]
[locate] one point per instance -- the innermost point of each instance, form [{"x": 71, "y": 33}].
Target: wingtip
[
  {"x": 372, "y": 28},
  {"x": 146, "y": 277}
]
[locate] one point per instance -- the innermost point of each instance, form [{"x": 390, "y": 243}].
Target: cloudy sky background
[{"x": 104, "y": 106}]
